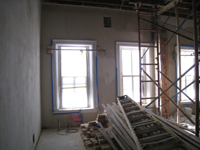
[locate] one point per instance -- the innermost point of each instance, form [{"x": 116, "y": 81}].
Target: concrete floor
[{"x": 50, "y": 140}]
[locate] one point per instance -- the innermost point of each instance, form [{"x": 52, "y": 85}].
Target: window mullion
[
  {"x": 132, "y": 74},
  {"x": 61, "y": 79},
  {"x": 87, "y": 76}
]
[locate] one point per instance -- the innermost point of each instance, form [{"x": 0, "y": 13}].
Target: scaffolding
[{"x": 154, "y": 44}]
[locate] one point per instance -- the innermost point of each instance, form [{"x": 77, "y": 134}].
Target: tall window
[
  {"x": 74, "y": 74},
  {"x": 128, "y": 71},
  {"x": 187, "y": 60},
  {"x": 74, "y": 77}
]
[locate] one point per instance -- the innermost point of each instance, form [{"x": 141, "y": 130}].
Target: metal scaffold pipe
[
  {"x": 178, "y": 50},
  {"x": 171, "y": 85},
  {"x": 178, "y": 88},
  {"x": 179, "y": 92},
  {"x": 169, "y": 98},
  {"x": 196, "y": 66},
  {"x": 158, "y": 31}
]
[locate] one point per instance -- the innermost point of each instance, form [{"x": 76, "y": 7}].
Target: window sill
[
  {"x": 187, "y": 103},
  {"x": 70, "y": 111}
]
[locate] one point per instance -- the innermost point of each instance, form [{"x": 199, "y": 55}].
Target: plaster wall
[
  {"x": 85, "y": 23},
  {"x": 20, "y": 111}
]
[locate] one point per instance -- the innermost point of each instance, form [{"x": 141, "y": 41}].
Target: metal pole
[
  {"x": 179, "y": 28},
  {"x": 178, "y": 88},
  {"x": 171, "y": 84},
  {"x": 158, "y": 31},
  {"x": 196, "y": 67},
  {"x": 170, "y": 99},
  {"x": 158, "y": 61},
  {"x": 179, "y": 92},
  {"x": 75, "y": 50},
  {"x": 175, "y": 27},
  {"x": 175, "y": 32},
  {"x": 178, "y": 50},
  {"x": 139, "y": 46}
]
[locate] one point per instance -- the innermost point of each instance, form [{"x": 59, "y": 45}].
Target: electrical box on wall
[{"x": 107, "y": 22}]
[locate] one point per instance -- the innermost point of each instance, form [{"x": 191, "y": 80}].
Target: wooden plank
[
  {"x": 155, "y": 138},
  {"x": 144, "y": 123},
  {"x": 102, "y": 130},
  {"x": 191, "y": 139},
  {"x": 118, "y": 141},
  {"x": 165, "y": 71},
  {"x": 135, "y": 112},
  {"x": 122, "y": 136},
  {"x": 130, "y": 108},
  {"x": 136, "y": 118},
  {"x": 148, "y": 130},
  {"x": 119, "y": 120},
  {"x": 167, "y": 7},
  {"x": 166, "y": 146},
  {"x": 122, "y": 128},
  {"x": 129, "y": 125}
]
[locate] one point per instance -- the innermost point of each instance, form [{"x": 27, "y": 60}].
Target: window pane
[
  {"x": 73, "y": 63},
  {"x": 67, "y": 82},
  {"x": 135, "y": 62},
  {"x": 74, "y": 98},
  {"x": 74, "y": 74},
  {"x": 126, "y": 62},
  {"x": 190, "y": 91},
  {"x": 127, "y": 86},
  {"x": 80, "y": 81},
  {"x": 187, "y": 60},
  {"x": 136, "y": 89}
]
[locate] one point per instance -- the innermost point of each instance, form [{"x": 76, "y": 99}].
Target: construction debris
[
  {"x": 128, "y": 126},
  {"x": 184, "y": 122},
  {"x": 149, "y": 132},
  {"x": 92, "y": 136}
]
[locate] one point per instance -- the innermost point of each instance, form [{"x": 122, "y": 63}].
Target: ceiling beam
[
  {"x": 122, "y": 4},
  {"x": 167, "y": 7}
]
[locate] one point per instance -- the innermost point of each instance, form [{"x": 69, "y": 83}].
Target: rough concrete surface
[
  {"x": 20, "y": 114},
  {"x": 50, "y": 140}
]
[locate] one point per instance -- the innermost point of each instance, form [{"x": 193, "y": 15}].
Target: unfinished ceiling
[{"x": 148, "y": 6}]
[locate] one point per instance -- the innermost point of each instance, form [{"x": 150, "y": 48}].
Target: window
[
  {"x": 128, "y": 71},
  {"x": 187, "y": 60},
  {"x": 74, "y": 75}
]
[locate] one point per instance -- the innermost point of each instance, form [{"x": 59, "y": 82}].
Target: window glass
[
  {"x": 130, "y": 71},
  {"x": 136, "y": 85},
  {"x": 129, "y": 75},
  {"x": 73, "y": 72},
  {"x": 127, "y": 86},
  {"x": 73, "y": 63},
  {"x": 187, "y": 60},
  {"x": 74, "y": 98},
  {"x": 67, "y": 82},
  {"x": 135, "y": 62},
  {"x": 74, "y": 77},
  {"x": 126, "y": 62}
]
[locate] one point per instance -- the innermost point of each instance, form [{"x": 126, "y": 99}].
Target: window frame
[
  {"x": 119, "y": 68},
  {"x": 186, "y": 101},
  {"x": 61, "y": 77},
  {"x": 57, "y": 78}
]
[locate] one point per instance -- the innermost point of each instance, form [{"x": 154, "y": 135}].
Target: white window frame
[
  {"x": 119, "y": 68},
  {"x": 91, "y": 74},
  {"x": 186, "y": 48}
]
